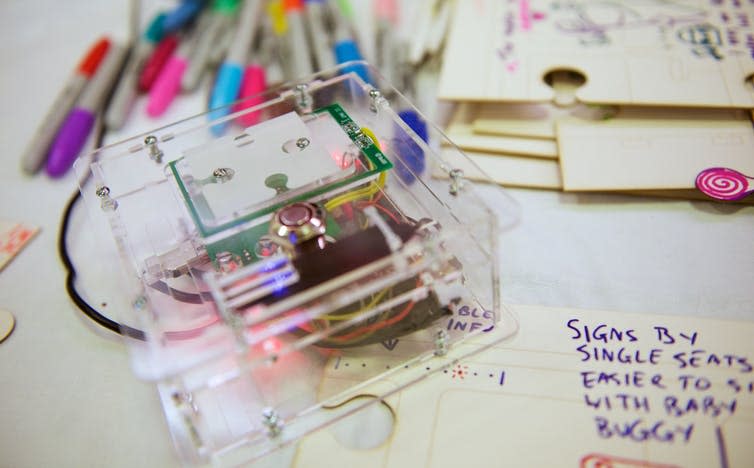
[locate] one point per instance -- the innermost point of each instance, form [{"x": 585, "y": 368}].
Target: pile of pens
[{"x": 250, "y": 43}]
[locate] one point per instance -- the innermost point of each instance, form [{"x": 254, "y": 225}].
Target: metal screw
[
  {"x": 103, "y": 191},
  {"x": 106, "y": 203},
  {"x": 265, "y": 247},
  {"x": 226, "y": 262},
  {"x": 302, "y": 142},
  {"x": 155, "y": 153},
  {"x": 223, "y": 174},
  {"x": 441, "y": 342},
  {"x": 185, "y": 400},
  {"x": 376, "y": 98},
  {"x": 139, "y": 303},
  {"x": 271, "y": 420},
  {"x": 456, "y": 181},
  {"x": 304, "y": 99}
]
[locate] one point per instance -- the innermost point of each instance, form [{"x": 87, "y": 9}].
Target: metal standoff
[
  {"x": 456, "y": 181},
  {"x": 223, "y": 174},
  {"x": 186, "y": 401},
  {"x": 106, "y": 202},
  {"x": 442, "y": 339},
  {"x": 302, "y": 142},
  {"x": 272, "y": 421},
  {"x": 304, "y": 100},
  {"x": 155, "y": 153},
  {"x": 376, "y": 100}
]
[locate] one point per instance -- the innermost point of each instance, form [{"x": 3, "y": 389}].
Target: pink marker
[
  {"x": 156, "y": 62},
  {"x": 167, "y": 85},
  {"x": 253, "y": 83}
]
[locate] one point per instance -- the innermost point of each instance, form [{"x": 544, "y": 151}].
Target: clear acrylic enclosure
[{"x": 329, "y": 233}]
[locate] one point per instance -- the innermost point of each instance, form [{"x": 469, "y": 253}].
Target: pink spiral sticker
[{"x": 723, "y": 183}]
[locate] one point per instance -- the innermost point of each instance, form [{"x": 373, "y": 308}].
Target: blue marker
[
  {"x": 182, "y": 15},
  {"x": 228, "y": 83},
  {"x": 346, "y": 49}
]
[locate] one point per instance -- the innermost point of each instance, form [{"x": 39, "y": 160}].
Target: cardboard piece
[
  {"x": 461, "y": 132},
  {"x": 512, "y": 170},
  {"x": 572, "y": 388},
  {"x": 640, "y": 151},
  {"x": 638, "y": 52},
  {"x": 13, "y": 238}
]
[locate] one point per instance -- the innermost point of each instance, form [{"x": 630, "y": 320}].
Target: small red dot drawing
[{"x": 460, "y": 371}]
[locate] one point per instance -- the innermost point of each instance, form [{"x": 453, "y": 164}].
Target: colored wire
[
  {"x": 70, "y": 281},
  {"x": 357, "y": 335},
  {"x": 383, "y": 209},
  {"x": 366, "y": 192},
  {"x": 375, "y": 299},
  {"x": 97, "y": 316}
]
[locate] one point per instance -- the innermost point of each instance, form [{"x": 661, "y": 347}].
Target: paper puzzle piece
[
  {"x": 637, "y": 152},
  {"x": 511, "y": 170},
  {"x": 650, "y": 52},
  {"x": 552, "y": 387},
  {"x": 461, "y": 133},
  {"x": 13, "y": 238},
  {"x": 531, "y": 120}
]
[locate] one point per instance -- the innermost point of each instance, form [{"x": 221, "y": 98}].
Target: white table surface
[{"x": 67, "y": 394}]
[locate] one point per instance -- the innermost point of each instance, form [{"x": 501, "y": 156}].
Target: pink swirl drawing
[{"x": 724, "y": 184}]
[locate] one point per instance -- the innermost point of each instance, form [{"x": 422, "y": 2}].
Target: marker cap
[
  {"x": 155, "y": 31},
  {"x": 225, "y": 6},
  {"x": 181, "y": 15},
  {"x": 347, "y": 51},
  {"x": 166, "y": 87},
  {"x": 225, "y": 91},
  {"x": 71, "y": 138},
  {"x": 293, "y": 5},
  {"x": 89, "y": 64},
  {"x": 253, "y": 84},
  {"x": 156, "y": 61}
]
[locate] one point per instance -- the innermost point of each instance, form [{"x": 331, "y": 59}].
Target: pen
[
  {"x": 75, "y": 130},
  {"x": 253, "y": 83},
  {"x": 299, "y": 64},
  {"x": 210, "y": 42},
  {"x": 125, "y": 93},
  {"x": 315, "y": 13},
  {"x": 35, "y": 154},
  {"x": 439, "y": 28},
  {"x": 183, "y": 14},
  {"x": 346, "y": 50},
  {"x": 229, "y": 75},
  {"x": 386, "y": 12},
  {"x": 432, "y": 22},
  {"x": 156, "y": 61},
  {"x": 256, "y": 76},
  {"x": 168, "y": 82}
]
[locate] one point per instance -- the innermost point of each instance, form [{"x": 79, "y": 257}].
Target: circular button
[
  {"x": 297, "y": 223},
  {"x": 297, "y": 214}
]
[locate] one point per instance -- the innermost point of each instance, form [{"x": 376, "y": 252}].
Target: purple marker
[{"x": 75, "y": 130}]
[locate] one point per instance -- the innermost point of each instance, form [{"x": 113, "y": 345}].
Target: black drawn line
[{"x": 721, "y": 448}]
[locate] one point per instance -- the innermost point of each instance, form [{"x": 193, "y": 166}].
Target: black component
[
  {"x": 70, "y": 281},
  {"x": 318, "y": 266},
  {"x": 422, "y": 314}
]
